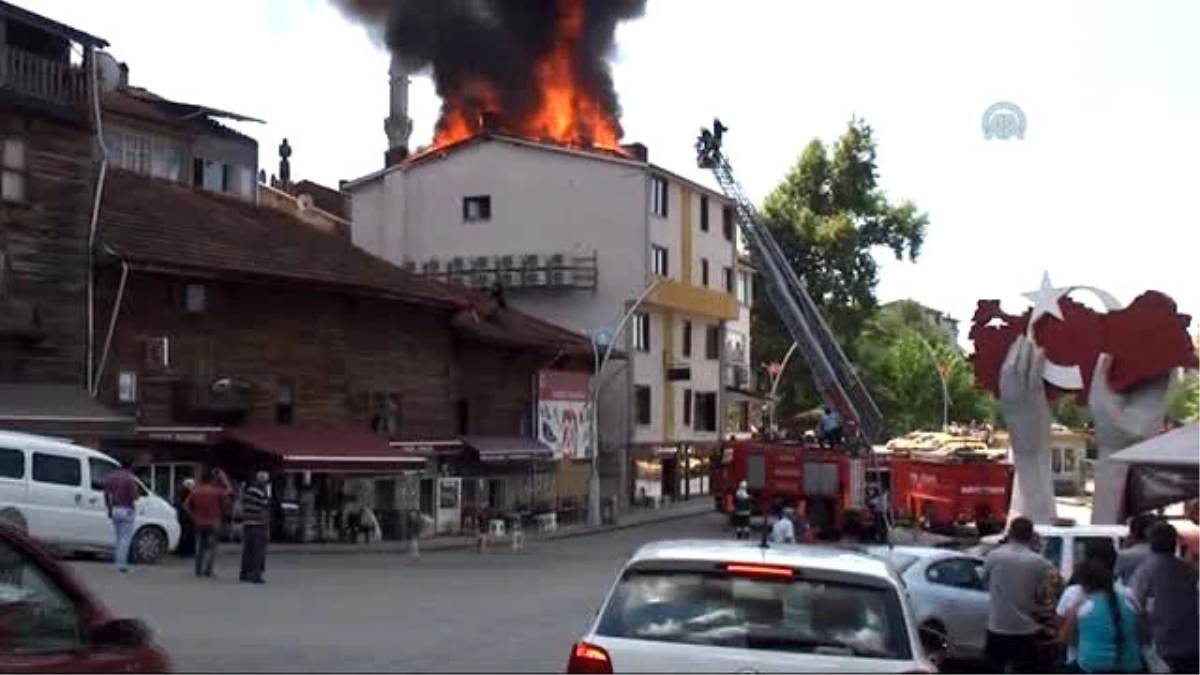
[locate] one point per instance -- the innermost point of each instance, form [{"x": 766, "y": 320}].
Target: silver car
[
  {"x": 739, "y": 607},
  {"x": 947, "y": 594}
]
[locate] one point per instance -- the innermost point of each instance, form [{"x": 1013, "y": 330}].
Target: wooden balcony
[{"x": 41, "y": 80}]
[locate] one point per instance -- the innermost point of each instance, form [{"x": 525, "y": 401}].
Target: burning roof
[{"x": 537, "y": 69}]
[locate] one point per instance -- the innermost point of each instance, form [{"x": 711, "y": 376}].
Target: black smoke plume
[{"x": 497, "y": 43}]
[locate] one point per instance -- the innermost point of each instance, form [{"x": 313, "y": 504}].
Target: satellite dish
[
  {"x": 108, "y": 72},
  {"x": 304, "y": 201}
]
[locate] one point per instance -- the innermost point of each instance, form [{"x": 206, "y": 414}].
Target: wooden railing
[{"x": 42, "y": 79}]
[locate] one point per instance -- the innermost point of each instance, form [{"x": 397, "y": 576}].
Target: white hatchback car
[
  {"x": 54, "y": 490},
  {"x": 737, "y": 607}
]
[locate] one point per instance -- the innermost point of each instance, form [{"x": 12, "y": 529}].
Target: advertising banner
[{"x": 564, "y": 419}]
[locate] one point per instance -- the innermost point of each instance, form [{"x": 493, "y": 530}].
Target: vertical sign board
[{"x": 564, "y": 416}]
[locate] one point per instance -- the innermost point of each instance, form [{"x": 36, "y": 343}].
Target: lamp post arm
[{"x": 625, "y": 320}]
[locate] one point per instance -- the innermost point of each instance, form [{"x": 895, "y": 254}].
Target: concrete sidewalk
[{"x": 679, "y": 510}]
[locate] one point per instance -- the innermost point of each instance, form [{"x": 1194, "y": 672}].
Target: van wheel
[
  {"x": 14, "y": 519},
  {"x": 149, "y": 545}
]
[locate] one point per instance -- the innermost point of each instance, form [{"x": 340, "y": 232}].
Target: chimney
[
  {"x": 639, "y": 152},
  {"x": 398, "y": 126},
  {"x": 123, "y": 81}
]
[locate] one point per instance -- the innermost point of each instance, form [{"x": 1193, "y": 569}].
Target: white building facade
[{"x": 575, "y": 238}]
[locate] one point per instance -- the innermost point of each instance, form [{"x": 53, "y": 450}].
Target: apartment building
[{"x": 577, "y": 238}]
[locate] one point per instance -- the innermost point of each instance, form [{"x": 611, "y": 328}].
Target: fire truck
[{"x": 942, "y": 490}]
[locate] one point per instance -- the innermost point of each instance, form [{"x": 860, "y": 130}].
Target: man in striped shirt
[{"x": 256, "y": 514}]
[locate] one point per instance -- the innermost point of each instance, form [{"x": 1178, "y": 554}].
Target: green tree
[
  {"x": 1183, "y": 398},
  {"x": 830, "y": 216}
]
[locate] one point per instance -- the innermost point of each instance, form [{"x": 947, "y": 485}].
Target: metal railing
[{"x": 42, "y": 79}]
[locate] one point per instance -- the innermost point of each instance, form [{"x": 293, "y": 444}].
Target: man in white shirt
[{"x": 784, "y": 531}]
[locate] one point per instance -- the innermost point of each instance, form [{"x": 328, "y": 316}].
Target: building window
[
  {"x": 127, "y": 386},
  {"x": 462, "y": 413},
  {"x": 743, "y": 287},
  {"x": 641, "y": 332},
  {"x": 659, "y": 193},
  {"x": 706, "y": 411},
  {"x": 712, "y": 342},
  {"x": 209, "y": 175},
  {"x": 727, "y": 226},
  {"x": 284, "y": 404},
  {"x": 687, "y": 339},
  {"x": 704, "y": 272},
  {"x": 703, "y": 213},
  {"x": 195, "y": 298},
  {"x": 687, "y": 407},
  {"x": 727, "y": 279},
  {"x": 14, "y": 182},
  {"x": 385, "y": 414},
  {"x": 642, "y": 401},
  {"x": 659, "y": 260},
  {"x": 477, "y": 208}
]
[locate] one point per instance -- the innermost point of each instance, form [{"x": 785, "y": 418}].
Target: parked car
[
  {"x": 947, "y": 593},
  {"x": 50, "y": 623},
  {"x": 54, "y": 490},
  {"x": 737, "y": 607}
]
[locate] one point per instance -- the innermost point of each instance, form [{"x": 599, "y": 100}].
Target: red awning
[{"x": 326, "y": 448}]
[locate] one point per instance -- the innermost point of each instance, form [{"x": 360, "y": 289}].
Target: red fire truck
[
  {"x": 943, "y": 491},
  {"x": 830, "y": 482}
]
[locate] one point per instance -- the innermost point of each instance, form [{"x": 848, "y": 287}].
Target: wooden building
[
  {"x": 240, "y": 336},
  {"x": 50, "y": 177}
]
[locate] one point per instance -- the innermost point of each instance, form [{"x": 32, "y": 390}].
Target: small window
[
  {"x": 99, "y": 470},
  {"x": 195, "y": 298},
  {"x": 659, "y": 194},
  {"x": 642, "y": 400},
  {"x": 285, "y": 404},
  {"x": 127, "y": 386},
  {"x": 12, "y": 463},
  {"x": 687, "y": 407},
  {"x": 475, "y": 209},
  {"x": 727, "y": 225},
  {"x": 743, "y": 288},
  {"x": 704, "y": 272},
  {"x": 57, "y": 470},
  {"x": 727, "y": 280},
  {"x": 703, "y": 213},
  {"x": 641, "y": 332},
  {"x": 712, "y": 343},
  {"x": 687, "y": 339},
  {"x": 659, "y": 261},
  {"x": 13, "y": 181},
  {"x": 385, "y": 414}
]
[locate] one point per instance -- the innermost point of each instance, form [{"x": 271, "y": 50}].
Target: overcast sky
[{"x": 1101, "y": 191}]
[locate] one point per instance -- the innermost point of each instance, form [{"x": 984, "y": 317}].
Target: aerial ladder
[{"x": 833, "y": 374}]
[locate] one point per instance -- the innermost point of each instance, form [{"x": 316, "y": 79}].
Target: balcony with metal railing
[{"x": 37, "y": 79}]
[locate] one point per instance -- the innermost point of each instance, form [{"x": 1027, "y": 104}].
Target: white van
[
  {"x": 54, "y": 490},
  {"x": 1064, "y": 544}
]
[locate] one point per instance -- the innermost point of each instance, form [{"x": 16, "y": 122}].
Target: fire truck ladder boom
[{"x": 834, "y": 375}]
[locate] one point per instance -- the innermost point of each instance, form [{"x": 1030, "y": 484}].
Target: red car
[{"x": 50, "y": 623}]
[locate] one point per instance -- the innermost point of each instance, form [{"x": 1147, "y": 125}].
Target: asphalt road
[{"x": 451, "y": 611}]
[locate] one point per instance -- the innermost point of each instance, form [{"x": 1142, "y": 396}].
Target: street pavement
[{"x": 447, "y": 611}]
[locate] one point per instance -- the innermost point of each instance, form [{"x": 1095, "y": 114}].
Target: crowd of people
[{"x": 1130, "y": 611}]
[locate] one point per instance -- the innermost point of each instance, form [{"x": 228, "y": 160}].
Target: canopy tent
[{"x": 1163, "y": 469}]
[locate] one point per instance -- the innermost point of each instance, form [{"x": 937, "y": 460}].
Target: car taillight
[
  {"x": 754, "y": 570},
  {"x": 589, "y": 659}
]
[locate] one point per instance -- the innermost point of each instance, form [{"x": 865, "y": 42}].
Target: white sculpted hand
[
  {"x": 1121, "y": 420},
  {"x": 1027, "y": 415}
]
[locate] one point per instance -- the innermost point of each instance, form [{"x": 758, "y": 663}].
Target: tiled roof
[{"x": 170, "y": 226}]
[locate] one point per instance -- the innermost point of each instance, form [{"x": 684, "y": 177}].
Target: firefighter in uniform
[{"x": 741, "y": 511}]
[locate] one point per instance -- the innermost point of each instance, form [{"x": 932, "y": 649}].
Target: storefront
[{"x": 669, "y": 473}]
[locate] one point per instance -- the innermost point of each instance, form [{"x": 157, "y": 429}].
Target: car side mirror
[
  {"x": 933, "y": 641},
  {"x": 125, "y": 633}
]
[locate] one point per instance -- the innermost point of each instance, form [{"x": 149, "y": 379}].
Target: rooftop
[
  {"x": 146, "y": 106},
  {"x": 171, "y": 228},
  {"x": 9, "y": 10}
]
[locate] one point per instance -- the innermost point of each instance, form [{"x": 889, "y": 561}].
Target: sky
[{"x": 1097, "y": 193}]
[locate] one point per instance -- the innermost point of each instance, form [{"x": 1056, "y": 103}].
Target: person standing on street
[
  {"x": 1138, "y": 549},
  {"x": 187, "y": 530},
  {"x": 206, "y": 507},
  {"x": 120, "y": 496},
  {"x": 1017, "y": 579},
  {"x": 1165, "y": 588},
  {"x": 256, "y": 519},
  {"x": 741, "y": 511}
]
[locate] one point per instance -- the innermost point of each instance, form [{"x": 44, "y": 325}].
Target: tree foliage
[
  {"x": 1183, "y": 398},
  {"x": 830, "y": 217}
]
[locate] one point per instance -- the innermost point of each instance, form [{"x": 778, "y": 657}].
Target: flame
[{"x": 566, "y": 113}]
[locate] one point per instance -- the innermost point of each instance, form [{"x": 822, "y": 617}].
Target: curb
[{"x": 234, "y": 548}]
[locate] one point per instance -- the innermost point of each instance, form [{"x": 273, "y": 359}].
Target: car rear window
[{"x": 803, "y": 614}]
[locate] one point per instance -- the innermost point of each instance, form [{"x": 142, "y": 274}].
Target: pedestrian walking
[
  {"x": 256, "y": 520},
  {"x": 187, "y": 529},
  {"x": 1072, "y": 606},
  {"x": 120, "y": 498},
  {"x": 1018, "y": 579},
  {"x": 1102, "y": 623},
  {"x": 206, "y": 507},
  {"x": 1165, "y": 587}
]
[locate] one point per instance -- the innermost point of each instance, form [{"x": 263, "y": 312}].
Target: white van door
[
  {"x": 13, "y": 480},
  {"x": 56, "y": 497},
  {"x": 100, "y": 531}
]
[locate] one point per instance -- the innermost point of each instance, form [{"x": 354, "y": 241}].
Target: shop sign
[{"x": 564, "y": 418}]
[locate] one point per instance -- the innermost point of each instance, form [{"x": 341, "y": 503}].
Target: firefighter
[{"x": 741, "y": 511}]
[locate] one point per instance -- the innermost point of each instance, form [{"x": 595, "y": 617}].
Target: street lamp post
[
  {"x": 937, "y": 367},
  {"x": 604, "y": 339}
]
